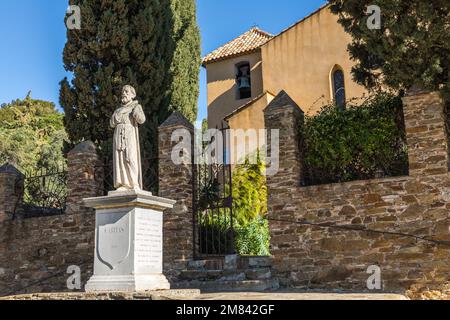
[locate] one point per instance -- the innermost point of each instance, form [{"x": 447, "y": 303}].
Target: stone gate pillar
[
  {"x": 426, "y": 133},
  {"x": 175, "y": 182},
  {"x": 284, "y": 114},
  {"x": 84, "y": 177},
  {"x": 11, "y": 191}
]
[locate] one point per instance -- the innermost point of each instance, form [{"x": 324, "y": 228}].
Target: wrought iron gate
[{"x": 213, "y": 210}]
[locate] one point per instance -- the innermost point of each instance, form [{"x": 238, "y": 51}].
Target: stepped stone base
[
  {"x": 134, "y": 283},
  {"x": 229, "y": 274},
  {"x": 230, "y": 286}
]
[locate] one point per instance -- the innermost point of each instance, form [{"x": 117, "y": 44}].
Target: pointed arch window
[{"x": 338, "y": 81}]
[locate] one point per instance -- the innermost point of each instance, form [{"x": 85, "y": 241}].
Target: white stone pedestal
[{"x": 128, "y": 242}]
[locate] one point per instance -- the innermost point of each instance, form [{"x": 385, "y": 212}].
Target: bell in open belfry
[{"x": 244, "y": 77}]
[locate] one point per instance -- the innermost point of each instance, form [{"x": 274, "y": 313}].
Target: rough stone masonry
[
  {"x": 35, "y": 253},
  {"x": 370, "y": 215},
  {"x": 175, "y": 182}
]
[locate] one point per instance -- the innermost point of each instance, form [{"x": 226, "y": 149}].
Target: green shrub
[
  {"x": 253, "y": 239},
  {"x": 250, "y": 232},
  {"x": 216, "y": 236},
  {"x": 250, "y": 207},
  {"x": 249, "y": 191},
  {"x": 361, "y": 142}
]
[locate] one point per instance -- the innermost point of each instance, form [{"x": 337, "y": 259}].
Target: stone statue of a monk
[{"x": 127, "y": 154}]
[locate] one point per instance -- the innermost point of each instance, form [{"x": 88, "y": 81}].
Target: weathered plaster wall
[
  {"x": 222, "y": 87},
  {"x": 300, "y": 61},
  {"x": 248, "y": 121},
  {"x": 252, "y": 115}
]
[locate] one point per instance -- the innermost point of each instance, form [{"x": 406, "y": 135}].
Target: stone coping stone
[
  {"x": 10, "y": 169},
  {"x": 176, "y": 119},
  {"x": 129, "y": 198},
  {"x": 174, "y": 294},
  {"x": 84, "y": 147}
]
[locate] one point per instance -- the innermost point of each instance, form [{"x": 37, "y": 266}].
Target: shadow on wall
[{"x": 228, "y": 101}]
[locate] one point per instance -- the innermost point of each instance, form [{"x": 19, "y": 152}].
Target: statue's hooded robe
[{"x": 126, "y": 149}]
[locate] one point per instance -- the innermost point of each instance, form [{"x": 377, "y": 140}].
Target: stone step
[
  {"x": 227, "y": 275},
  {"x": 229, "y": 286},
  {"x": 210, "y": 264},
  {"x": 213, "y": 275},
  {"x": 230, "y": 262},
  {"x": 258, "y": 274},
  {"x": 254, "y": 262}
]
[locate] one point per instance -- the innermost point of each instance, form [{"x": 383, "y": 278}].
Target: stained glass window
[{"x": 339, "y": 89}]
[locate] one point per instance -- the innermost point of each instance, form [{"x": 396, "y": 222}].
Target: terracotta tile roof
[{"x": 245, "y": 43}]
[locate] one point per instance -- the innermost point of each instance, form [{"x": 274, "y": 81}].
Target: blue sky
[{"x": 33, "y": 35}]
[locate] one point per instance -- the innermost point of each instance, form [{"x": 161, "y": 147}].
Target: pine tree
[
  {"x": 411, "y": 48},
  {"x": 154, "y": 45}
]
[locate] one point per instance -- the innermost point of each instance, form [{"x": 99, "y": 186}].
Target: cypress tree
[
  {"x": 185, "y": 65},
  {"x": 154, "y": 45},
  {"x": 412, "y": 47}
]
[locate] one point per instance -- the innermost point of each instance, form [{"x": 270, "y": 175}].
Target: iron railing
[{"x": 45, "y": 193}]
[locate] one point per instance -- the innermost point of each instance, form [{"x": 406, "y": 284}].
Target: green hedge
[{"x": 362, "y": 142}]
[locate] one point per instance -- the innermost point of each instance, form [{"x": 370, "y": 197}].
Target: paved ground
[
  {"x": 195, "y": 295},
  {"x": 299, "y": 296}
]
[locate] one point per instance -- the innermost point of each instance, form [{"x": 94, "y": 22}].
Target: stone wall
[
  {"x": 321, "y": 236},
  {"x": 35, "y": 253},
  {"x": 327, "y": 236}
]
